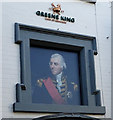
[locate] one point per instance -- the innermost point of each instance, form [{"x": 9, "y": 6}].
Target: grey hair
[{"x": 62, "y": 61}]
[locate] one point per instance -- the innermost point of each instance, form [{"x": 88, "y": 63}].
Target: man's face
[{"x": 55, "y": 66}]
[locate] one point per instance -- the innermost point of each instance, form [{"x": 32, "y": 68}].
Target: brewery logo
[
  {"x": 56, "y": 17},
  {"x": 56, "y": 9}
]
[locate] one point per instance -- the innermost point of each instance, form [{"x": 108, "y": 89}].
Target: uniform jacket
[{"x": 69, "y": 91}]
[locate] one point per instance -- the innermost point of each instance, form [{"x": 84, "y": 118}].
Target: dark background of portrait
[{"x": 40, "y": 58}]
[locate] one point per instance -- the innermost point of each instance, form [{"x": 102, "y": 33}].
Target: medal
[{"x": 69, "y": 94}]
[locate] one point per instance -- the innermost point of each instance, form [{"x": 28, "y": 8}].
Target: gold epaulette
[
  {"x": 75, "y": 86},
  {"x": 40, "y": 82}
]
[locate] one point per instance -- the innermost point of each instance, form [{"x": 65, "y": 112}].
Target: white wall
[
  {"x": 112, "y": 60},
  {"x": 0, "y": 61},
  {"x": 103, "y": 19},
  {"x": 86, "y": 23}
]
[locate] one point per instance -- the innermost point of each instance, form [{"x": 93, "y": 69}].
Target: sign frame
[{"x": 86, "y": 46}]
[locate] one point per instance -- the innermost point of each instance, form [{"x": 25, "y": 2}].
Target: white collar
[{"x": 59, "y": 76}]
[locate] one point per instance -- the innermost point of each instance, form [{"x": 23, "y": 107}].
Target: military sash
[{"x": 53, "y": 91}]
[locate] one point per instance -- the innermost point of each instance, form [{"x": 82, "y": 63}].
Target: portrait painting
[{"x": 55, "y": 76}]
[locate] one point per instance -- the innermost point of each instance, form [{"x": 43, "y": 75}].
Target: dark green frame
[{"x": 26, "y": 36}]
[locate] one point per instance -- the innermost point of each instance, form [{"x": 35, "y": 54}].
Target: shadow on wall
[{"x": 90, "y": 1}]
